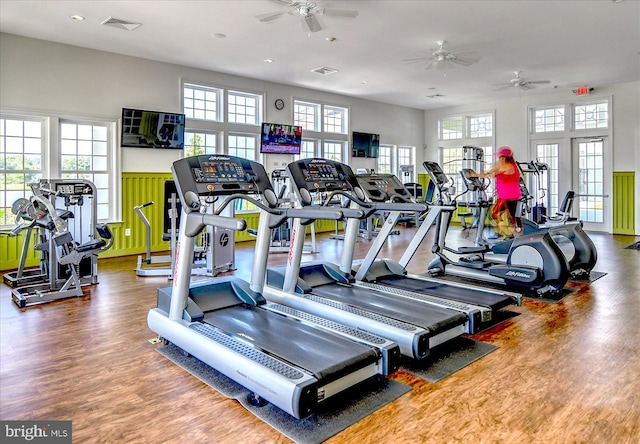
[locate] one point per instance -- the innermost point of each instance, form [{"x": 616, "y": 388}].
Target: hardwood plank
[{"x": 565, "y": 372}]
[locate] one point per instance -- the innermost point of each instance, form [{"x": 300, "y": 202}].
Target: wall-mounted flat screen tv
[
  {"x": 152, "y": 129},
  {"x": 365, "y": 145},
  {"x": 277, "y": 138}
]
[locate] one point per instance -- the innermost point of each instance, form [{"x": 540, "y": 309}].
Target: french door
[{"x": 590, "y": 170}]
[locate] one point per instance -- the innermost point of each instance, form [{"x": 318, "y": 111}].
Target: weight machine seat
[
  {"x": 564, "y": 212},
  {"x": 106, "y": 238},
  {"x": 64, "y": 214}
]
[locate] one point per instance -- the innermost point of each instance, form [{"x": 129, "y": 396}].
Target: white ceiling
[{"x": 570, "y": 43}]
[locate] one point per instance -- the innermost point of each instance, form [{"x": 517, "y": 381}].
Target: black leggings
[{"x": 510, "y": 206}]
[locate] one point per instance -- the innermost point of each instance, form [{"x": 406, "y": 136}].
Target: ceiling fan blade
[
  {"x": 347, "y": 13},
  {"x": 465, "y": 61},
  {"x": 538, "y": 82},
  {"x": 503, "y": 87},
  {"x": 311, "y": 23},
  {"x": 281, "y": 2},
  {"x": 267, "y": 17},
  {"x": 416, "y": 60}
]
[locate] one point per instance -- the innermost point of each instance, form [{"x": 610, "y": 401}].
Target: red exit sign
[{"x": 583, "y": 91}]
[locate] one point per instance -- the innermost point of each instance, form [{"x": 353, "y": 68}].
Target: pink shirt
[{"x": 508, "y": 185}]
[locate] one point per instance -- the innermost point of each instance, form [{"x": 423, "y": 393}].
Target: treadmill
[
  {"x": 323, "y": 289},
  {"x": 480, "y": 304},
  {"x": 225, "y": 322}
]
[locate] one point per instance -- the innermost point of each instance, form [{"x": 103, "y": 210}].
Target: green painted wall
[
  {"x": 624, "y": 202},
  {"x": 137, "y": 188}
]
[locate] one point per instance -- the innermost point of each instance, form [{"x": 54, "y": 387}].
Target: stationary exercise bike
[
  {"x": 568, "y": 234},
  {"x": 534, "y": 262}
]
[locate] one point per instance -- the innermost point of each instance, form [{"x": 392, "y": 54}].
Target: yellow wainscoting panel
[
  {"x": 624, "y": 202},
  {"x": 137, "y": 189}
]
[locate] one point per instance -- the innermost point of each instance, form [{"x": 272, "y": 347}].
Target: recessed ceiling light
[
  {"x": 77, "y": 17},
  {"x": 364, "y": 82},
  {"x": 219, "y": 35},
  {"x": 268, "y": 60}
]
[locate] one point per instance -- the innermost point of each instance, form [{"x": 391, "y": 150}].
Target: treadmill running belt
[
  {"x": 431, "y": 318},
  {"x": 323, "y": 354},
  {"x": 443, "y": 290}
]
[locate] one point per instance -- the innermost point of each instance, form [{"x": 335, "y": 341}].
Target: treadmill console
[
  {"x": 436, "y": 174},
  {"x": 217, "y": 175},
  {"x": 319, "y": 175},
  {"x": 382, "y": 187}
]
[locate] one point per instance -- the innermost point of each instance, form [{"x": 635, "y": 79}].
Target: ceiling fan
[
  {"x": 442, "y": 58},
  {"x": 520, "y": 83},
  {"x": 308, "y": 12}
]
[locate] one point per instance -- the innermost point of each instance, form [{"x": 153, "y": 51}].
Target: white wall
[
  {"x": 511, "y": 125},
  {"x": 37, "y": 75}
]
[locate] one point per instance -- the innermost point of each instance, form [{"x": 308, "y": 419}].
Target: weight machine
[{"x": 71, "y": 240}]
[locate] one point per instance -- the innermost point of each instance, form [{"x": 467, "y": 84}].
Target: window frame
[
  {"x": 319, "y": 133},
  {"x": 51, "y": 149}
]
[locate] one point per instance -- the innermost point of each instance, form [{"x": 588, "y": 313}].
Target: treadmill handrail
[{"x": 195, "y": 223}]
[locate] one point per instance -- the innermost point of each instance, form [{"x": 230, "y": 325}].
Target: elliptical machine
[
  {"x": 574, "y": 243},
  {"x": 534, "y": 262}
]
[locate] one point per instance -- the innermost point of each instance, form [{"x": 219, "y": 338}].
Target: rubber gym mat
[
  {"x": 634, "y": 246},
  {"x": 448, "y": 358},
  {"x": 593, "y": 276},
  {"x": 333, "y": 415}
]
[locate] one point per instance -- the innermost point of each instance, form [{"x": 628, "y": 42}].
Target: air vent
[
  {"x": 324, "y": 70},
  {"x": 121, "y": 24}
]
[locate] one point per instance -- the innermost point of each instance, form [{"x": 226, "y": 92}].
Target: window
[
  {"x": 594, "y": 115},
  {"x": 201, "y": 102},
  {"x": 207, "y": 121},
  {"x": 243, "y": 108},
  {"x": 197, "y": 143},
  {"x": 308, "y": 149},
  {"x": 328, "y": 125},
  {"x": 450, "y": 129},
  {"x": 480, "y": 126},
  {"x": 307, "y": 115},
  {"x": 333, "y": 151},
  {"x": 84, "y": 154},
  {"x": 335, "y": 119},
  {"x": 548, "y": 119},
  {"x": 452, "y": 164},
  {"x": 22, "y": 161},
  {"x": 49, "y": 147},
  {"x": 547, "y": 153},
  {"x": 384, "y": 162},
  {"x": 243, "y": 145},
  {"x": 406, "y": 157}
]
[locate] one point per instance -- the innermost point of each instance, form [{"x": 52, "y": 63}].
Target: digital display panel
[{"x": 219, "y": 170}]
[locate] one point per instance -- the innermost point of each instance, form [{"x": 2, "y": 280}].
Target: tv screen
[
  {"x": 366, "y": 145},
  {"x": 152, "y": 129},
  {"x": 277, "y": 138}
]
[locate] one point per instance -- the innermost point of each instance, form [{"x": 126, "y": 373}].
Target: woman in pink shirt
[{"x": 507, "y": 178}]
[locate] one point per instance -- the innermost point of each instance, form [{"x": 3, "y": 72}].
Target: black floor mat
[
  {"x": 592, "y": 277},
  {"x": 635, "y": 246},
  {"x": 333, "y": 415},
  {"x": 448, "y": 358}
]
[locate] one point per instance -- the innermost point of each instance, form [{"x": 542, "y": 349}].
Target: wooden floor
[{"x": 564, "y": 373}]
